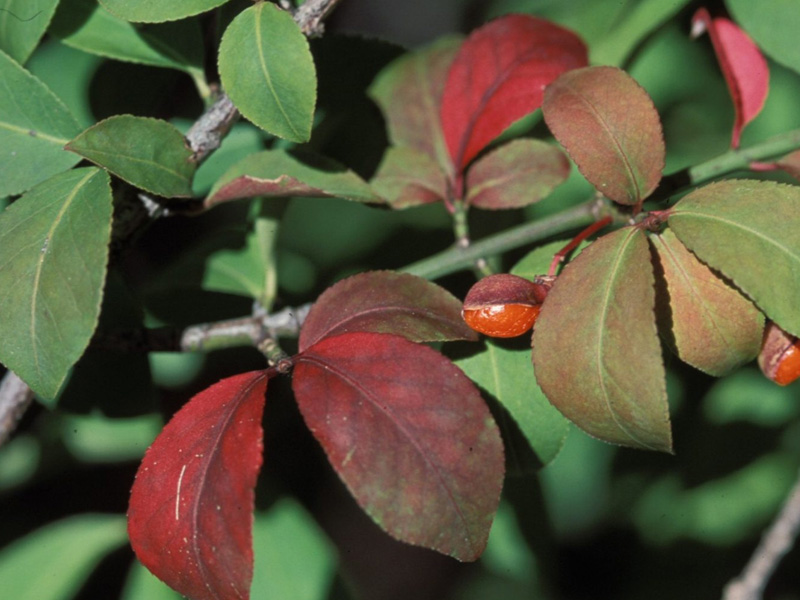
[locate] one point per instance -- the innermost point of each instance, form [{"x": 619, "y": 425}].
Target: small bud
[
  {"x": 504, "y": 305},
  {"x": 780, "y": 355}
]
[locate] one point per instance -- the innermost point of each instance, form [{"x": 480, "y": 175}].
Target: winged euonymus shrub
[{"x": 406, "y": 429}]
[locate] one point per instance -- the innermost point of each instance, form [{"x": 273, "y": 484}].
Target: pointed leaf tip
[
  {"x": 611, "y": 129},
  {"x": 499, "y": 76},
  {"x": 191, "y": 508}
]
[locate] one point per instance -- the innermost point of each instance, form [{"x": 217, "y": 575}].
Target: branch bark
[
  {"x": 15, "y": 397},
  {"x": 776, "y": 543}
]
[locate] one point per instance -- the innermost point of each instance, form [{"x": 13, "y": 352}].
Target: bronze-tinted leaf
[
  {"x": 386, "y": 302},
  {"x": 711, "y": 325},
  {"x": 609, "y": 126},
  {"x": 748, "y": 230},
  {"x": 596, "y": 352},
  {"x": 408, "y": 177}
]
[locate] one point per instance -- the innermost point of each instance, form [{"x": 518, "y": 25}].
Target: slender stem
[
  {"x": 776, "y": 543},
  {"x": 558, "y": 258},
  {"x": 458, "y": 258}
]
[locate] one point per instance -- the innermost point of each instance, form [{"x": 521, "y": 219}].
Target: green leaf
[
  {"x": 537, "y": 261},
  {"x": 53, "y": 562},
  {"x": 267, "y": 70},
  {"x": 157, "y": 11},
  {"x": 85, "y": 25},
  {"x": 148, "y": 153},
  {"x": 278, "y": 174},
  {"x": 22, "y": 25},
  {"x": 34, "y": 126},
  {"x": 773, "y": 24},
  {"x": 596, "y": 351},
  {"x": 748, "y": 230},
  {"x": 407, "y": 177},
  {"x": 409, "y": 92},
  {"x": 516, "y": 174},
  {"x": 508, "y": 376},
  {"x": 611, "y": 129},
  {"x": 95, "y": 438},
  {"x": 748, "y": 396},
  {"x": 143, "y": 585},
  {"x": 53, "y": 254},
  {"x": 709, "y": 323},
  {"x": 293, "y": 558}
]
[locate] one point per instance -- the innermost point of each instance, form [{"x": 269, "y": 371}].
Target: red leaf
[
  {"x": 386, "y": 302},
  {"x": 611, "y": 129},
  {"x": 742, "y": 64},
  {"x": 410, "y": 436},
  {"x": 499, "y": 76},
  {"x": 191, "y": 509}
]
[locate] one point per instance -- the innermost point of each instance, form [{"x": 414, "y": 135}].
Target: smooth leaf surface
[
  {"x": 409, "y": 92},
  {"x": 747, "y": 230},
  {"x": 611, "y": 129},
  {"x": 516, "y": 174},
  {"x": 148, "y": 153},
  {"x": 507, "y": 375},
  {"x": 22, "y": 25},
  {"x": 498, "y": 76},
  {"x": 191, "y": 508},
  {"x": 267, "y": 70},
  {"x": 408, "y": 434},
  {"x": 408, "y": 177},
  {"x": 276, "y": 173},
  {"x": 743, "y": 66},
  {"x": 710, "y": 324},
  {"x": 34, "y": 126},
  {"x": 773, "y": 24},
  {"x": 53, "y": 255},
  {"x": 386, "y": 302},
  {"x": 293, "y": 558},
  {"x": 141, "y": 584},
  {"x": 596, "y": 351},
  {"x": 240, "y": 271},
  {"x": 158, "y": 11},
  {"x": 87, "y": 26},
  {"x": 53, "y": 562}
]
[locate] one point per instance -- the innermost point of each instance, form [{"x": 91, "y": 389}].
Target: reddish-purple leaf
[
  {"x": 611, "y": 129},
  {"x": 742, "y": 64},
  {"x": 408, "y": 177},
  {"x": 191, "y": 509},
  {"x": 499, "y": 76},
  {"x": 410, "y": 436},
  {"x": 386, "y": 302},
  {"x": 516, "y": 174},
  {"x": 409, "y": 92},
  {"x": 790, "y": 164}
]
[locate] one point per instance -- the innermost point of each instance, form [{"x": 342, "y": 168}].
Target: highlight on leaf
[{"x": 744, "y": 67}]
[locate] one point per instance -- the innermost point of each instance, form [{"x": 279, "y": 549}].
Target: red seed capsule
[
  {"x": 780, "y": 355},
  {"x": 503, "y": 305}
]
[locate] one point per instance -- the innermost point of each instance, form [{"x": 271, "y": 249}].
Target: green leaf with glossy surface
[
  {"x": 53, "y": 562},
  {"x": 710, "y": 324},
  {"x": 148, "y": 153},
  {"x": 516, "y": 174},
  {"x": 748, "y": 231},
  {"x": 596, "y": 351},
  {"x": 407, "y": 177},
  {"x": 508, "y": 376},
  {"x": 611, "y": 129},
  {"x": 293, "y": 558},
  {"x": 157, "y": 11},
  {"x": 22, "y": 25},
  {"x": 409, "y": 92},
  {"x": 34, "y": 126},
  {"x": 267, "y": 70},
  {"x": 278, "y": 174},
  {"x": 85, "y": 25},
  {"x": 773, "y": 24},
  {"x": 53, "y": 254}
]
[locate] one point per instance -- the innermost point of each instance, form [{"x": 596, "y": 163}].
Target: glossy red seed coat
[
  {"x": 789, "y": 365},
  {"x": 502, "y": 320}
]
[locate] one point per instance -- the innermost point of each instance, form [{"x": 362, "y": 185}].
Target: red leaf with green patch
[
  {"x": 407, "y": 177},
  {"x": 386, "y": 302},
  {"x": 742, "y": 64},
  {"x": 499, "y": 76},
  {"x": 190, "y": 516},
  {"x": 611, "y": 129},
  {"x": 410, "y": 436}
]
